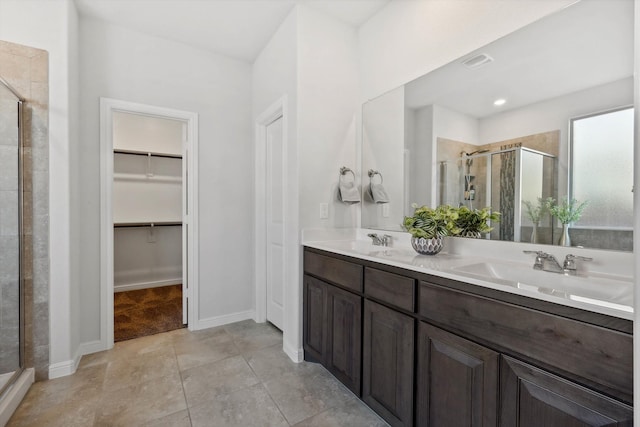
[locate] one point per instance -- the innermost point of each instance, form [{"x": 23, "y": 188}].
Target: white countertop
[{"x": 502, "y": 267}]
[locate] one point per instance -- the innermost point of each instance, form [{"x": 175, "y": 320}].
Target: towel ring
[
  {"x": 345, "y": 170},
  {"x": 373, "y": 173}
]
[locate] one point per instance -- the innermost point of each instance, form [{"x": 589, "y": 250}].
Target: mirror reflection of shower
[
  {"x": 501, "y": 177},
  {"x": 470, "y": 188}
]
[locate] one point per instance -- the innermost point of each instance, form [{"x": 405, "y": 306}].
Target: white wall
[
  {"x": 126, "y": 65},
  {"x": 311, "y": 60},
  {"x": 383, "y": 143},
  {"x": 327, "y": 105},
  {"x": 407, "y": 39},
  {"x": 274, "y": 78},
  {"x": 51, "y": 25}
]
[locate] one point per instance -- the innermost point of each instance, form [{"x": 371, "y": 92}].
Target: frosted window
[{"x": 602, "y": 168}]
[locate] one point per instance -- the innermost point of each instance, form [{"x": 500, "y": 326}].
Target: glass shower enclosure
[
  {"x": 510, "y": 180},
  {"x": 11, "y": 241}
]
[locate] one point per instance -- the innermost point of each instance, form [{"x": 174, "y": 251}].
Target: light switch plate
[{"x": 324, "y": 210}]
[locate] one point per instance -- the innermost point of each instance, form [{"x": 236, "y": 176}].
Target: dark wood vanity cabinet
[
  {"x": 434, "y": 352},
  {"x": 532, "y": 397},
  {"x": 343, "y": 357},
  {"x": 332, "y": 330},
  {"x": 457, "y": 381},
  {"x": 388, "y": 363}
]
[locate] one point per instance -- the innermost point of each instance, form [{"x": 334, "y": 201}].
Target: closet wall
[{"x": 147, "y": 201}]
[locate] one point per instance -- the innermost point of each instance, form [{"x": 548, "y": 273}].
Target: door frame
[
  {"x": 268, "y": 219},
  {"x": 189, "y": 161},
  {"x": 272, "y": 113}
]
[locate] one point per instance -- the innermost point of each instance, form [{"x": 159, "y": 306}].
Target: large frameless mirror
[{"x": 514, "y": 123}]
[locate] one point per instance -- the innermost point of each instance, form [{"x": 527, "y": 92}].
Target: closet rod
[
  {"x": 148, "y": 153},
  {"x": 146, "y": 224}
]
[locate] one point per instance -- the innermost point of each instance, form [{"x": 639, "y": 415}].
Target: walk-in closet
[{"x": 147, "y": 203}]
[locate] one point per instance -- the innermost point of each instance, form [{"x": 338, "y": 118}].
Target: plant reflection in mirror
[
  {"x": 536, "y": 213},
  {"x": 568, "y": 211}
]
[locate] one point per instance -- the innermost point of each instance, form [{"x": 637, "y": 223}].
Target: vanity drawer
[
  {"x": 336, "y": 271},
  {"x": 602, "y": 357},
  {"x": 390, "y": 288}
]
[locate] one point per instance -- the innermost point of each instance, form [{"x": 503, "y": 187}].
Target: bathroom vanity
[{"x": 422, "y": 346}]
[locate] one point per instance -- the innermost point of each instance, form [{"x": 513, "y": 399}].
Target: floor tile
[
  {"x": 204, "y": 351},
  {"x": 272, "y": 362},
  {"x": 352, "y": 414},
  {"x": 122, "y": 372},
  {"x": 143, "y": 402},
  {"x": 249, "y": 407},
  {"x": 177, "y": 419},
  {"x": 207, "y": 382},
  {"x": 303, "y": 396},
  {"x": 67, "y": 414},
  {"x": 234, "y": 375}
]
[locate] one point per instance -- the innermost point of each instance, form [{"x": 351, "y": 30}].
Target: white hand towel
[
  {"x": 348, "y": 192},
  {"x": 378, "y": 193}
]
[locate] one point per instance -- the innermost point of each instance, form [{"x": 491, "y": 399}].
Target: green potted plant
[
  {"x": 535, "y": 214},
  {"x": 428, "y": 226},
  {"x": 475, "y": 222},
  {"x": 568, "y": 211}
]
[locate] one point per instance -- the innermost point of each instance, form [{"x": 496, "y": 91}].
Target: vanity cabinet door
[
  {"x": 457, "y": 381},
  {"x": 315, "y": 324},
  {"x": 531, "y": 397},
  {"x": 333, "y": 330},
  {"x": 387, "y": 379},
  {"x": 344, "y": 337}
]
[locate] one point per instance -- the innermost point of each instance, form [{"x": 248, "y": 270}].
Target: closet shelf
[
  {"x": 156, "y": 178},
  {"x": 147, "y": 153},
  {"x": 146, "y": 224}
]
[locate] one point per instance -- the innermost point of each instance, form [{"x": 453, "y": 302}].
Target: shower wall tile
[
  {"x": 41, "y": 353},
  {"x": 40, "y": 243},
  {"x": 39, "y": 69},
  {"x": 26, "y": 69},
  {"x": 40, "y": 191},
  {"x": 40, "y": 282},
  {"x": 9, "y": 212},
  {"x": 16, "y": 69},
  {"x": 9, "y": 168},
  {"x": 41, "y": 318}
]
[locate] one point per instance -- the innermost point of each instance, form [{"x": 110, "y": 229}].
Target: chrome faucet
[
  {"x": 548, "y": 262},
  {"x": 380, "y": 241},
  {"x": 570, "y": 266}
]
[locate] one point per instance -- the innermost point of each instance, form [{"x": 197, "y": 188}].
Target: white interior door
[{"x": 275, "y": 222}]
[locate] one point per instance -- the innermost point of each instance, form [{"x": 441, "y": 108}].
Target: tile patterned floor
[{"x": 234, "y": 375}]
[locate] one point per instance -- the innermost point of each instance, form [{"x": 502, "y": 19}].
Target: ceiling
[
  {"x": 583, "y": 46},
  {"x": 236, "y": 28}
]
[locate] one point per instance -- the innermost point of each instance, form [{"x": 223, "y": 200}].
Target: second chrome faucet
[
  {"x": 380, "y": 241},
  {"x": 547, "y": 262}
]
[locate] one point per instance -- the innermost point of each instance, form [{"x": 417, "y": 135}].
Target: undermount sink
[{"x": 594, "y": 288}]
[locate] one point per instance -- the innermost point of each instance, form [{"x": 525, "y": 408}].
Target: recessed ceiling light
[{"x": 499, "y": 102}]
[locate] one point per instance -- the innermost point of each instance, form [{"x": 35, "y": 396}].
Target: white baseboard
[
  {"x": 212, "y": 322},
  {"x": 68, "y": 367},
  {"x": 91, "y": 347},
  {"x": 15, "y": 394},
  {"x": 146, "y": 285},
  {"x": 295, "y": 354}
]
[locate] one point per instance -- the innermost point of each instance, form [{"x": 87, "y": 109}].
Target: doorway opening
[{"x": 149, "y": 258}]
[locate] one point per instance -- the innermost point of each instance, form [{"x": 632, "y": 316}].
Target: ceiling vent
[{"x": 477, "y": 61}]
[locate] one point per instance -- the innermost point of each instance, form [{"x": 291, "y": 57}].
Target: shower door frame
[{"x": 21, "y": 323}]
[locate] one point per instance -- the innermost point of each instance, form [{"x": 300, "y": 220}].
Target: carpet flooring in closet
[{"x": 147, "y": 312}]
